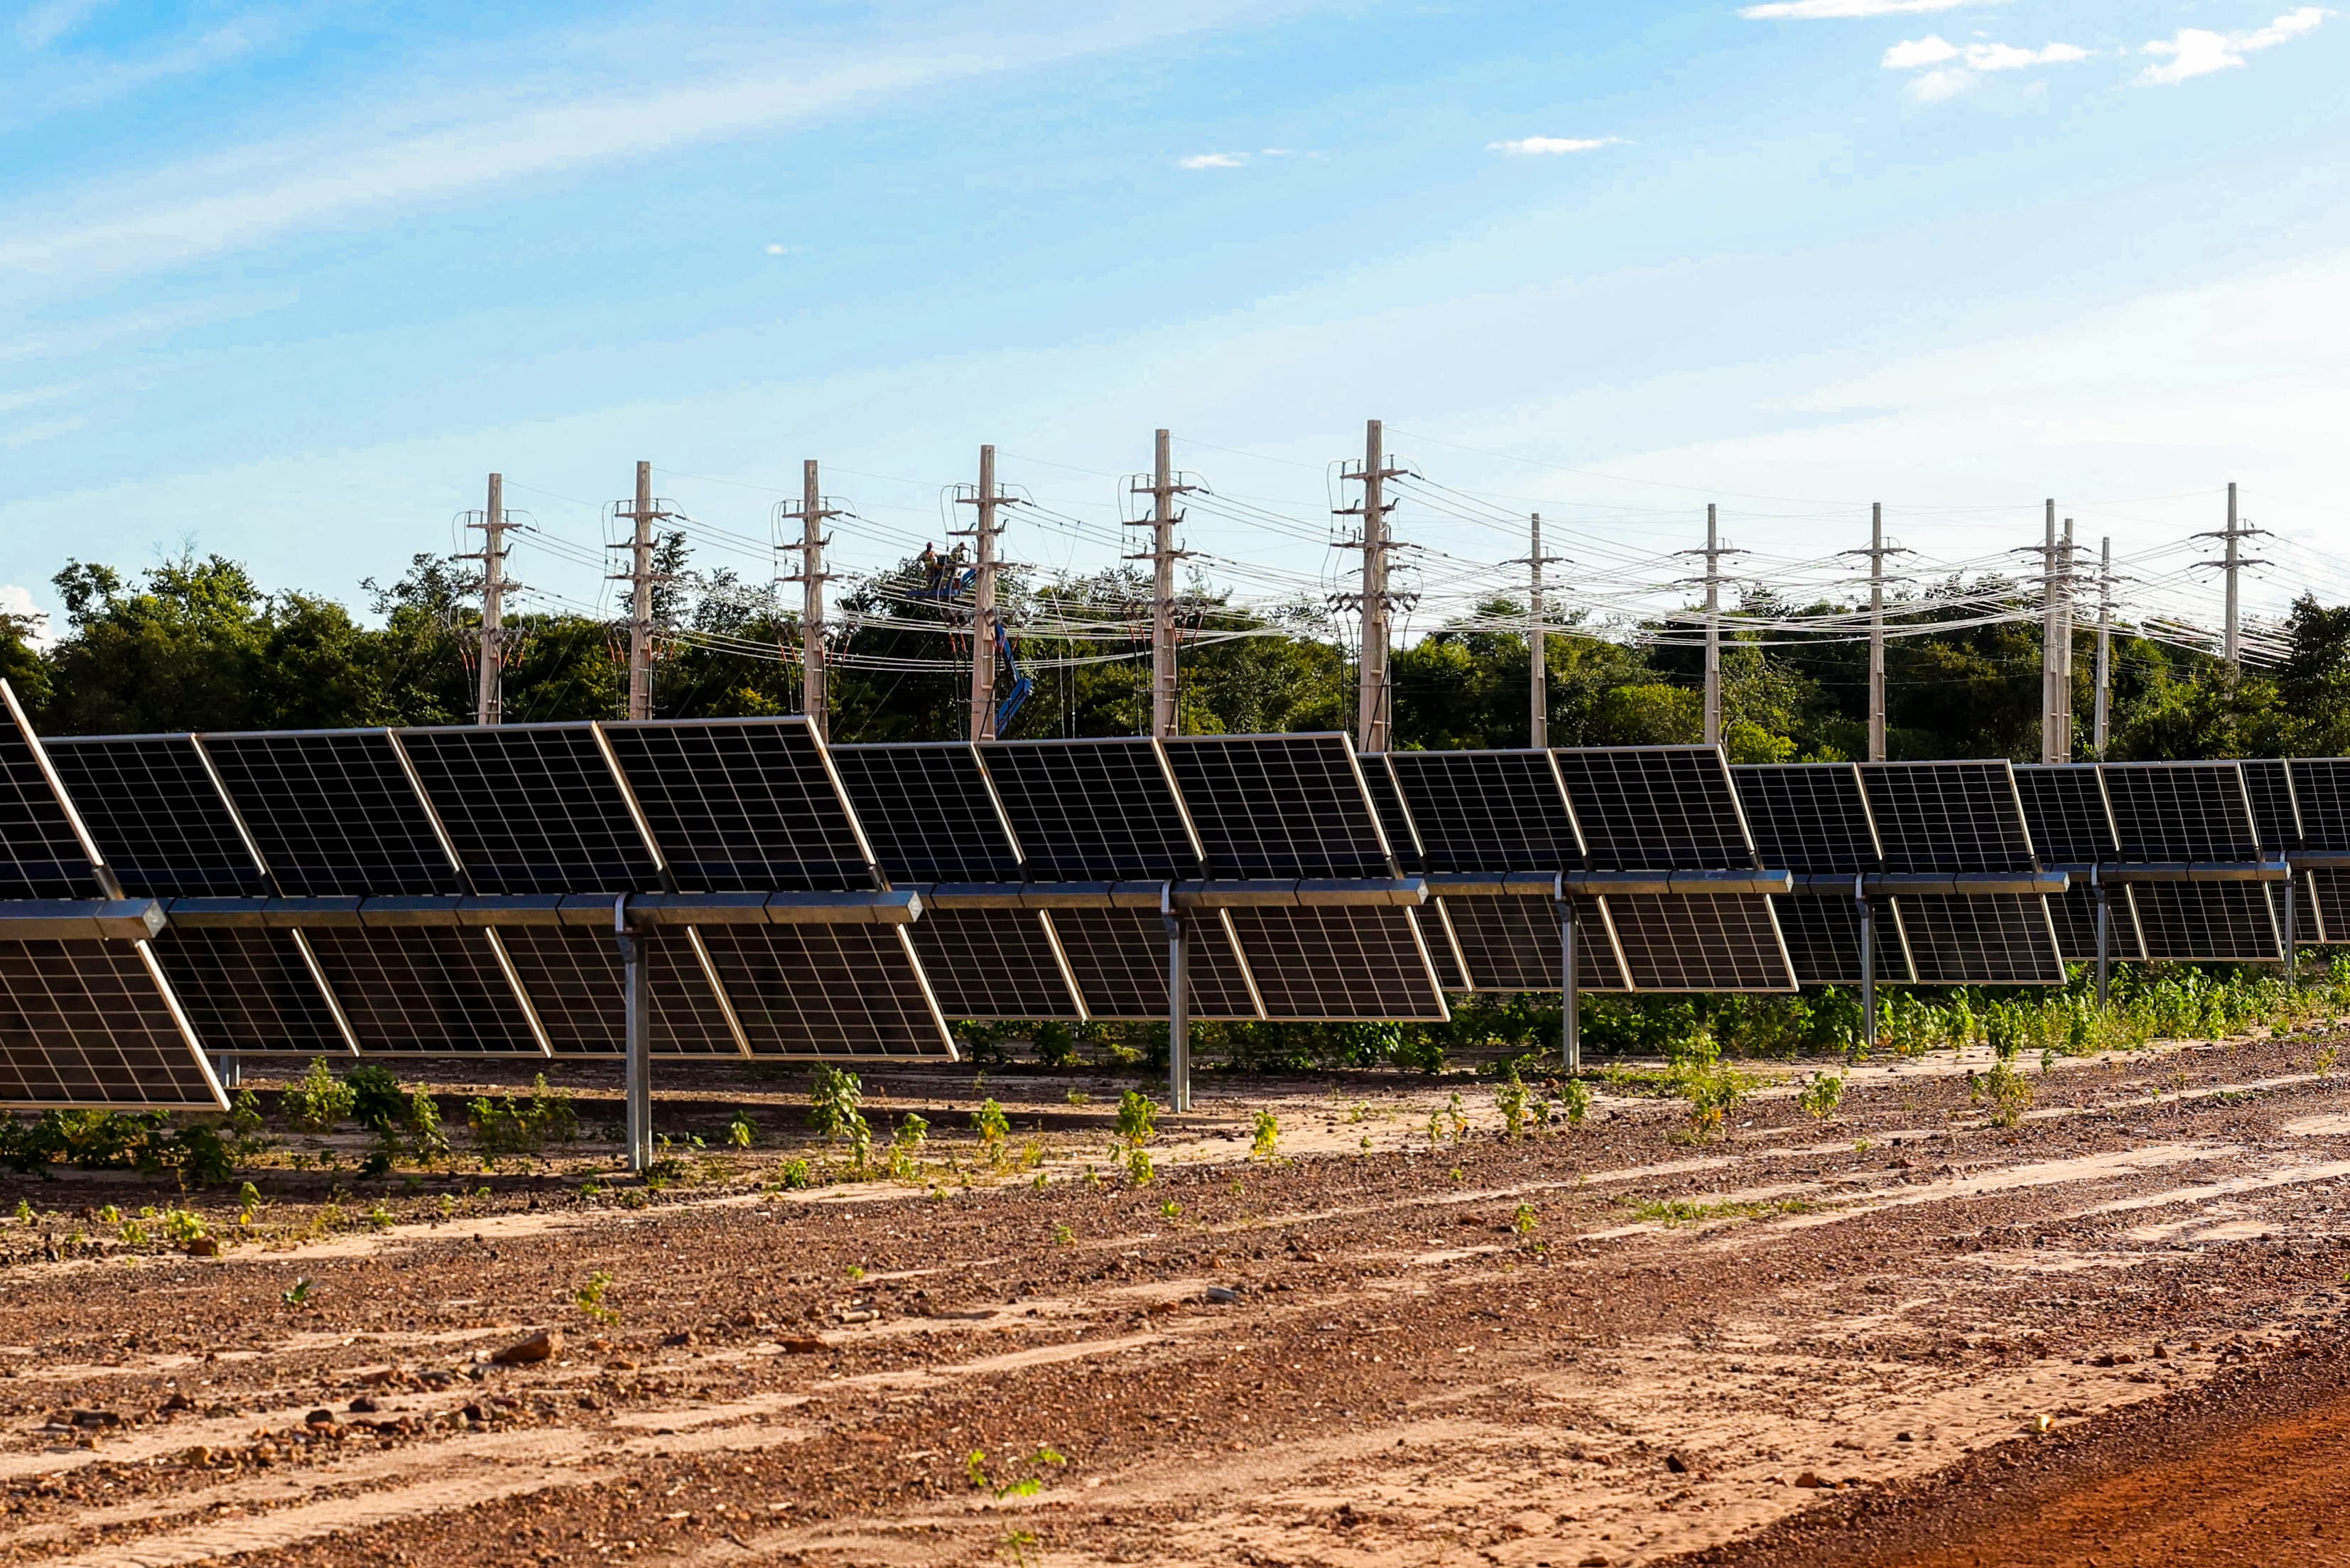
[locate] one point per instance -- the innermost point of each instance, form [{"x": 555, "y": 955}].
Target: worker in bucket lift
[{"x": 932, "y": 566}]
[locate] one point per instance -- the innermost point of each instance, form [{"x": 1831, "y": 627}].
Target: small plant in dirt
[
  {"x": 1063, "y": 1236},
  {"x": 794, "y": 1174},
  {"x": 1821, "y": 1096},
  {"x": 1011, "y": 1484},
  {"x": 2327, "y": 1056},
  {"x": 1524, "y": 1221},
  {"x": 1138, "y": 1117},
  {"x": 427, "y": 1138},
  {"x": 1139, "y": 1169},
  {"x": 298, "y": 1296},
  {"x": 740, "y": 1133},
  {"x": 317, "y": 1100},
  {"x": 906, "y": 1147},
  {"x": 591, "y": 1300},
  {"x": 1575, "y": 1100},
  {"x": 1078, "y": 1097},
  {"x": 2005, "y": 1092},
  {"x": 1264, "y": 1138},
  {"x": 1711, "y": 1089},
  {"x": 1170, "y": 1209},
  {"x": 834, "y": 1098},
  {"x": 1510, "y": 1098},
  {"x": 1456, "y": 1118},
  {"x": 993, "y": 1128},
  {"x": 182, "y": 1226},
  {"x": 503, "y": 1125}
]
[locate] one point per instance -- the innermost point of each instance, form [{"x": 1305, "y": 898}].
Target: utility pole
[
  {"x": 1375, "y": 698},
  {"x": 643, "y": 514},
  {"x": 2065, "y": 589},
  {"x": 1165, "y": 485},
  {"x": 812, "y": 515},
  {"x": 1876, "y": 552},
  {"x": 984, "y": 529},
  {"x": 2048, "y": 640},
  {"x": 490, "y": 699},
  {"x": 1537, "y": 672},
  {"x": 2232, "y": 561},
  {"x": 1713, "y": 552},
  {"x": 2105, "y": 644}
]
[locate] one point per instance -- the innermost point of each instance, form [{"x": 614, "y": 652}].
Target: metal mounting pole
[
  {"x": 1570, "y": 1003},
  {"x": 2290, "y": 896},
  {"x": 638, "y": 1007},
  {"x": 1178, "y": 1012},
  {"x": 2104, "y": 936},
  {"x": 1868, "y": 968}
]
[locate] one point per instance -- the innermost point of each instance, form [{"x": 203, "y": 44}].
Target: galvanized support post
[
  {"x": 1570, "y": 1000},
  {"x": 2290, "y": 898},
  {"x": 638, "y": 1005},
  {"x": 2104, "y": 934},
  {"x": 1178, "y": 1012},
  {"x": 1867, "y": 967}
]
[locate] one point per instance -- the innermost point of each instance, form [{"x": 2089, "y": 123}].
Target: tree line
[{"x": 199, "y": 643}]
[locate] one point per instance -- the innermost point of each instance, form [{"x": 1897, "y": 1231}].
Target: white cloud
[
  {"x": 42, "y": 25},
  {"x": 1951, "y": 80},
  {"x": 1212, "y": 160},
  {"x": 1830, "y": 10},
  {"x": 15, "y": 600},
  {"x": 1910, "y": 53},
  {"x": 2199, "y": 52},
  {"x": 1540, "y": 146}
]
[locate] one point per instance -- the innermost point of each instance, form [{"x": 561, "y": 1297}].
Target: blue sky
[{"x": 289, "y": 279}]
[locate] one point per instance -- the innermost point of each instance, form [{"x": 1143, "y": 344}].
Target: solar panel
[
  {"x": 1809, "y": 817},
  {"x": 90, "y": 1023},
  {"x": 2276, "y": 815},
  {"x": 149, "y": 802},
  {"x": 1443, "y": 948},
  {"x": 1655, "y": 808},
  {"x": 1947, "y": 817},
  {"x": 1823, "y": 937},
  {"x": 2064, "y": 810},
  {"x": 2000, "y": 939},
  {"x": 742, "y": 805},
  {"x": 249, "y": 991},
  {"x": 574, "y": 979},
  {"x": 2074, "y": 915},
  {"x": 1097, "y": 810},
  {"x": 2321, "y": 789},
  {"x": 423, "y": 989},
  {"x": 532, "y": 808},
  {"x": 1120, "y": 960},
  {"x": 927, "y": 810},
  {"x": 2324, "y": 915},
  {"x": 2214, "y": 922},
  {"x": 333, "y": 812},
  {"x": 2181, "y": 811},
  {"x": 1701, "y": 942},
  {"x": 1339, "y": 963},
  {"x": 1488, "y": 811},
  {"x": 81, "y": 1022},
  {"x": 1513, "y": 944},
  {"x": 1278, "y": 805},
  {"x": 994, "y": 964},
  {"x": 828, "y": 991},
  {"x": 1395, "y": 822}
]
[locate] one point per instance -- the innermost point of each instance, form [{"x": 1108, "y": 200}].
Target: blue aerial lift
[{"x": 948, "y": 581}]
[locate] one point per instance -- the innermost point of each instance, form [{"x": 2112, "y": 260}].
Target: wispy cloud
[
  {"x": 1212, "y": 160},
  {"x": 2197, "y": 52},
  {"x": 43, "y": 25},
  {"x": 1545, "y": 146},
  {"x": 252, "y": 196},
  {"x": 1951, "y": 79},
  {"x": 1833, "y": 10}
]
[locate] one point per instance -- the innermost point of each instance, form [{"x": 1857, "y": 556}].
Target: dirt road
[{"x": 1898, "y": 1335}]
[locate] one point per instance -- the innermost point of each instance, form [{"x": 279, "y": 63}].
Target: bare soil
[{"x": 1901, "y": 1334}]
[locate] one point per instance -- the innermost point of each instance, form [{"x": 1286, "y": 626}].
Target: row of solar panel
[{"x": 762, "y": 805}]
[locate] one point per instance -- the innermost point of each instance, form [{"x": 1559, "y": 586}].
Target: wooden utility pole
[
  {"x": 1876, "y": 552},
  {"x": 2105, "y": 645},
  {"x": 1374, "y": 696},
  {"x": 1165, "y": 485},
  {"x": 815, "y": 699},
  {"x": 643, "y": 513},
  {"x": 490, "y": 699},
  {"x": 984, "y": 501}
]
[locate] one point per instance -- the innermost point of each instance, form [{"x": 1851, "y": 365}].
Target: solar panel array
[{"x": 318, "y": 884}]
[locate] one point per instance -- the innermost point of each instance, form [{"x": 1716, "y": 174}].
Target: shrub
[
  {"x": 834, "y": 1097},
  {"x": 1822, "y": 1094},
  {"x": 503, "y": 1126},
  {"x": 317, "y": 1101}
]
